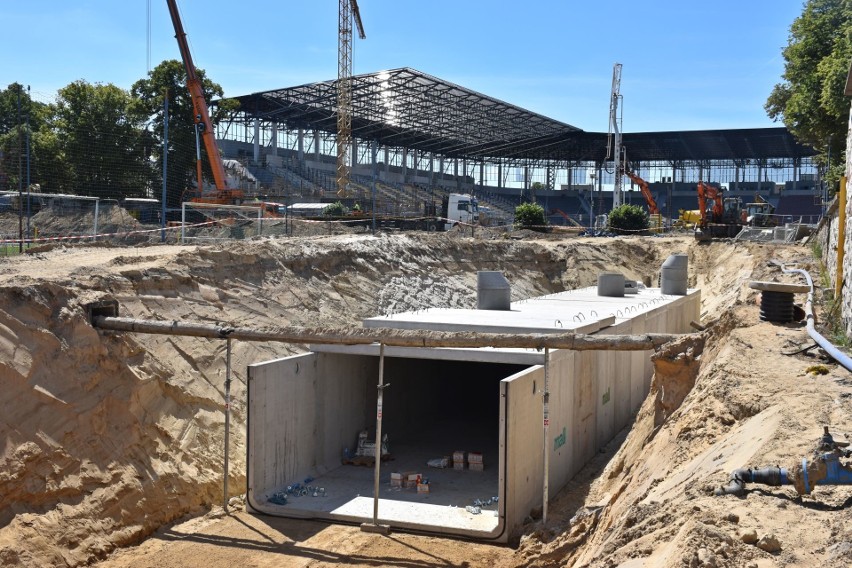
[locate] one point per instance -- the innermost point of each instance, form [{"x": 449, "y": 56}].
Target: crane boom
[
  {"x": 356, "y": 14},
  {"x": 646, "y": 191},
  {"x": 201, "y": 114}
]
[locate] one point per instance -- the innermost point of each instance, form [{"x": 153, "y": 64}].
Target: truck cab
[{"x": 460, "y": 208}]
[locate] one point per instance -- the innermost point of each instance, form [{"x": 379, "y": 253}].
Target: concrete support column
[
  {"x": 500, "y": 175},
  {"x": 404, "y": 165},
  {"x": 317, "y": 144},
  {"x": 256, "y": 139},
  {"x": 300, "y": 145},
  {"x": 431, "y": 169},
  {"x": 481, "y": 175},
  {"x": 796, "y": 164},
  {"x": 456, "y": 172},
  {"x": 759, "y": 175},
  {"x": 671, "y": 191},
  {"x": 387, "y": 160},
  {"x": 274, "y": 141},
  {"x": 354, "y": 161},
  {"x": 527, "y": 181}
]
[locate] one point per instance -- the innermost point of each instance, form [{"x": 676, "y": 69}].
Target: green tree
[
  {"x": 46, "y": 164},
  {"x": 530, "y": 216},
  {"x": 810, "y": 100},
  {"x": 149, "y": 93},
  {"x": 335, "y": 209},
  {"x": 628, "y": 218},
  {"x": 102, "y": 141}
]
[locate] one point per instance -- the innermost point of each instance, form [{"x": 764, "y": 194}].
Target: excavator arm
[
  {"x": 646, "y": 192},
  {"x": 706, "y": 192},
  {"x": 199, "y": 106}
]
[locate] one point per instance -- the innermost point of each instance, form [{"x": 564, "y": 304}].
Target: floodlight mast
[{"x": 614, "y": 147}]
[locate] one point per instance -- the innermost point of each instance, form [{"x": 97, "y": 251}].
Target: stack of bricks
[
  {"x": 406, "y": 479},
  {"x": 458, "y": 459},
  {"x": 474, "y": 461}
]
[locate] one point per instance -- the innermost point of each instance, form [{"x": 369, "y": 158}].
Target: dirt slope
[{"x": 109, "y": 437}]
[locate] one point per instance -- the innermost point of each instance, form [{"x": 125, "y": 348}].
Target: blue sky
[{"x": 687, "y": 65}]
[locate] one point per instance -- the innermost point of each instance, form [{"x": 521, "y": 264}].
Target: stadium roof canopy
[{"x": 405, "y": 108}]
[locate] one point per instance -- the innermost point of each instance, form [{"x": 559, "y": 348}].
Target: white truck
[
  {"x": 456, "y": 209},
  {"x": 459, "y": 208}
]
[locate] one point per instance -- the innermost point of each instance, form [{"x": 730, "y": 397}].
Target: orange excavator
[
  {"x": 223, "y": 194},
  {"x": 723, "y": 220},
  {"x": 714, "y": 194},
  {"x": 646, "y": 193}
]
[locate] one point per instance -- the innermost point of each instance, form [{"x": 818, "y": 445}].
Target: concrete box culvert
[{"x": 305, "y": 410}]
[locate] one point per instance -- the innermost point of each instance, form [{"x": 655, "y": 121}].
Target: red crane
[{"x": 224, "y": 194}]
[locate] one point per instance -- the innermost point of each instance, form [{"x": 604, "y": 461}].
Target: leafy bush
[
  {"x": 626, "y": 219},
  {"x": 335, "y": 209},
  {"x": 530, "y": 216}
]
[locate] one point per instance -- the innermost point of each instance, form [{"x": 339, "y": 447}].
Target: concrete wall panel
[
  {"x": 584, "y": 421},
  {"x": 282, "y": 399},
  {"x": 304, "y": 410},
  {"x": 524, "y": 433},
  {"x": 638, "y": 368},
  {"x": 560, "y": 442}
]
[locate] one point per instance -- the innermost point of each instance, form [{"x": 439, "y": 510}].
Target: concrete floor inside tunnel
[{"x": 348, "y": 494}]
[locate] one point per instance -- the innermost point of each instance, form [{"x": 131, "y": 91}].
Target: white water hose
[{"x": 833, "y": 351}]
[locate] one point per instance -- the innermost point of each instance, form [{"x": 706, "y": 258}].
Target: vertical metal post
[
  {"x": 378, "y": 452},
  {"x": 20, "y": 181},
  {"x": 97, "y": 212},
  {"x": 375, "y": 179},
  {"x": 165, "y": 165},
  {"x": 198, "y": 173},
  {"x": 29, "y": 209},
  {"x": 546, "y": 444},
  {"x": 227, "y": 420},
  {"x": 182, "y": 224}
]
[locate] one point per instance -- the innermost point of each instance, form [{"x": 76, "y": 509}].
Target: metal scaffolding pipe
[
  {"x": 392, "y": 337},
  {"x": 546, "y": 411},
  {"x": 227, "y": 421}
]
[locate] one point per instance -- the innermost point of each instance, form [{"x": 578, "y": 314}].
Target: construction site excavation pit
[{"x": 482, "y": 405}]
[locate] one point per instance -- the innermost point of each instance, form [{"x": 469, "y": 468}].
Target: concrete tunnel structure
[{"x": 305, "y": 410}]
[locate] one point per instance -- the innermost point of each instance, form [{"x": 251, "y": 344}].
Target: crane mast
[
  {"x": 348, "y": 11},
  {"x": 615, "y": 148},
  {"x": 199, "y": 107}
]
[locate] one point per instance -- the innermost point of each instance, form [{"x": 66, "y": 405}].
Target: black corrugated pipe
[{"x": 774, "y": 476}]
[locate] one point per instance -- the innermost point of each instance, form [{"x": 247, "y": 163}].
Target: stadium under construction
[{"x": 415, "y": 137}]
